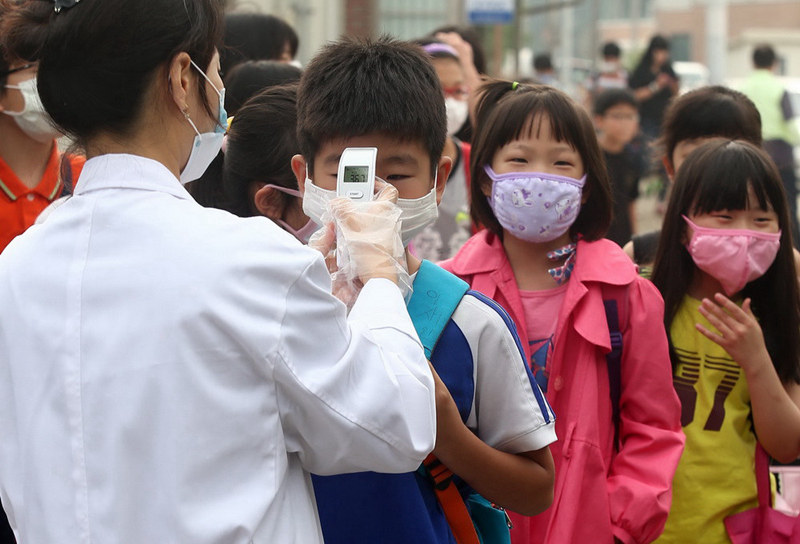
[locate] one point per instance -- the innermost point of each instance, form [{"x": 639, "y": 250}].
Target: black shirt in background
[{"x": 624, "y": 170}]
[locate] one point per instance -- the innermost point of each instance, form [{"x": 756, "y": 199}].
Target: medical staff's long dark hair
[
  {"x": 716, "y": 176},
  {"x": 98, "y": 58}
]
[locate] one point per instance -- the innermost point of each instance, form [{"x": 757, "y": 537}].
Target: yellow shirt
[{"x": 716, "y": 475}]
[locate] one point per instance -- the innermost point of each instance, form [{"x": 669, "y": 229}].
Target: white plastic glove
[{"x": 361, "y": 241}]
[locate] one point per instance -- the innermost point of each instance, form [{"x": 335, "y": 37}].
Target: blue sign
[{"x": 490, "y": 12}]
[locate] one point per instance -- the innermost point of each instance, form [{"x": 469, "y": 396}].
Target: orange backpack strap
[{"x": 451, "y": 501}]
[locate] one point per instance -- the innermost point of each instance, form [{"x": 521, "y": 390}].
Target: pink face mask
[
  {"x": 734, "y": 257},
  {"x": 304, "y": 232}
]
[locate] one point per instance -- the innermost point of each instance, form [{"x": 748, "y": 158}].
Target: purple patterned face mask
[{"x": 535, "y": 206}]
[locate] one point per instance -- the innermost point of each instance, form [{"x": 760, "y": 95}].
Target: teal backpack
[{"x": 436, "y": 295}]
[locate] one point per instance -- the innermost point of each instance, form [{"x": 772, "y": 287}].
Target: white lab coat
[{"x": 170, "y": 373}]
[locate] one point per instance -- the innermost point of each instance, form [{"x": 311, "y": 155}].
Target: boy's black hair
[
  {"x": 507, "y": 111},
  {"x": 713, "y": 111},
  {"x": 249, "y": 78},
  {"x": 612, "y": 97},
  {"x": 717, "y": 176},
  {"x": 261, "y": 142},
  {"x": 542, "y": 62},
  {"x": 359, "y": 86},
  {"x": 764, "y": 56},
  {"x": 611, "y": 49}
]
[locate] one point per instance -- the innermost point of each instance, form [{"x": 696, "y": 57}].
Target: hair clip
[
  {"x": 436, "y": 47},
  {"x": 64, "y": 4},
  {"x": 514, "y": 85}
]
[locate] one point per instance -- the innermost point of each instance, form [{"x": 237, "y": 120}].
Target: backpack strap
[
  {"x": 453, "y": 506},
  {"x": 614, "y": 362},
  {"x": 436, "y": 295}
]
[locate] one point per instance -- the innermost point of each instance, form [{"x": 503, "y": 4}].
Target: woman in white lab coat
[{"x": 170, "y": 373}]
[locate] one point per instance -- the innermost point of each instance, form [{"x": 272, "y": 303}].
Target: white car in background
[{"x": 693, "y": 75}]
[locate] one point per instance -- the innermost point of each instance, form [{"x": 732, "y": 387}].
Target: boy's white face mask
[
  {"x": 416, "y": 213},
  {"x": 33, "y": 120}
]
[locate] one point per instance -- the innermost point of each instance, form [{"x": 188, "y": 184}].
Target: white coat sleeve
[{"x": 354, "y": 392}]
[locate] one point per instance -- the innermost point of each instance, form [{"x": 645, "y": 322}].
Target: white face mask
[
  {"x": 206, "y": 146},
  {"x": 457, "y": 112},
  {"x": 416, "y": 213},
  {"x": 33, "y": 119},
  {"x": 315, "y": 200}
]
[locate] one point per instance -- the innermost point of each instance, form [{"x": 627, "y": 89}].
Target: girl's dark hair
[
  {"x": 717, "y": 176},
  {"x": 657, "y": 43},
  {"x": 253, "y": 76},
  {"x": 507, "y": 111},
  {"x": 255, "y": 36},
  {"x": 98, "y": 58},
  {"x": 261, "y": 142},
  {"x": 707, "y": 112}
]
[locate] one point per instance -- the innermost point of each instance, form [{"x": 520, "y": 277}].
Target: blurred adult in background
[
  {"x": 779, "y": 132},
  {"x": 256, "y": 36},
  {"x": 654, "y": 83},
  {"x": 33, "y": 173},
  {"x": 467, "y": 42}
]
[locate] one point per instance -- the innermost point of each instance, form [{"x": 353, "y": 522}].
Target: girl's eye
[
  {"x": 396, "y": 177},
  {"x": 518, "y": 159},
  {"x": 563, "y": 163}
]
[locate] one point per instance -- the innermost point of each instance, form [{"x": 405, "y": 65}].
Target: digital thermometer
[{"x": 356, "y": 175}]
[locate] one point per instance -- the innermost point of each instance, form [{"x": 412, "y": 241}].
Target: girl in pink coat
[{"x": 541, "y": 190}]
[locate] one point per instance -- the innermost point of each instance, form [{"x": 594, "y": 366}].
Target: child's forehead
[{"x": 390, "y": 148}]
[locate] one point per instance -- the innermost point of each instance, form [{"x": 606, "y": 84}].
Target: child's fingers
[
  {"x": 715, "y": 316},
  {"x": 714, "y": 337},
  {"x": 733, "y": 310}
]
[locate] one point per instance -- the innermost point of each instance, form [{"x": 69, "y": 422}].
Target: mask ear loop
[{"x": 186, "y": 116}]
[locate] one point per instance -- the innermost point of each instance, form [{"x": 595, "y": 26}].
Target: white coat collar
[{"x": 123, "y": 171}]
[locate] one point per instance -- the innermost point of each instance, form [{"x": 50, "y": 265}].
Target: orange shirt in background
[{"x": 20, "y": 205}]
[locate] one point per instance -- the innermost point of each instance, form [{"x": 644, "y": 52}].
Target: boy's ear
[
  {"x": 267, "y": 204},
  {"x": 299, "y": 169},
  {"x": 443, "y": 172}
]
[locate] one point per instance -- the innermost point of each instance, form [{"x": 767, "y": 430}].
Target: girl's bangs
[
  {"x": 525, "y": 113},
  {"x": 724, "y": 185}
]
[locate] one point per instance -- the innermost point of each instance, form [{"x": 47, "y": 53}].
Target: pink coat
[{"x": 599, "y": 493}]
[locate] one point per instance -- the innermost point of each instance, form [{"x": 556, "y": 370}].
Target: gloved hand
[{"x": 361, "y": 241}]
